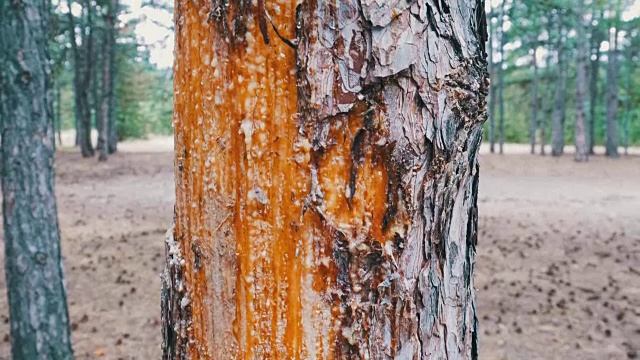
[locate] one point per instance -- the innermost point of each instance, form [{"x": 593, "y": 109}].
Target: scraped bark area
[{"x": 326, "y": 180}]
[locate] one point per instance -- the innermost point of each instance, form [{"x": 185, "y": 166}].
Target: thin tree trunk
[
  {"x": 103, "y": 116},
  {"x": 596, "y": 40},
  {"x": 612, "y": 94},
  {"x": 95, "y": 59},
  {"x": 88, "y": 73},
  {"x": 501, "y": 79},
  {"x": 33, "y": 265},
  {"x": 627, "y": 113},
  {"x": 557, "y": 130},
  {"x": 582, "y": 152},
  {"x": 77, "y": 65},
  {"x": 341, "y": 225},
  {"x": 81, "y": 83},
  {"x": 534, "y": 101},
  {"x": 112, "y": 138},
  {"x": 492, "y": 88},
  {"x": 546, "y": 101},
  {"x": 59, "y": 113}
]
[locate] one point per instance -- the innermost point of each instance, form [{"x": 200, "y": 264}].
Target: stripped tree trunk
[
  {"x": 534, "y": 101},
  {"x": 37, "y": 301},
  {"x": 326, "y": 185},
  {"x": 582, "y": 152}
]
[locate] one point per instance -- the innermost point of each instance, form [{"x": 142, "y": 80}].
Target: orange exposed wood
[{"x": 242, "y": 177}]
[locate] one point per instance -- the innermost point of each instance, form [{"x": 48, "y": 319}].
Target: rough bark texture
[
  {"x": 325, "y": 185},
  {"x": 582, "y": 152},
  {"x": 557, "y": 128},
  {"x": 533, "y": 124},
  {"x": 611, "y": 148},
  {"x": 37, "y": 302}
]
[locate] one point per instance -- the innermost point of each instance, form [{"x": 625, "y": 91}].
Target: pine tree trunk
[
  {"x": 103, "y": 116},
  {"x": 557, "y": 129},
  {"x": 59, "y": 113},
  {"x": 627, "y": 112},
  {"x": 612, "y": 96},
  {"x": 112, "y": 137},
  {"x": 95, "y": 61},
  {"x": 547, "y": 99},
  {"x": 582, "y": 152},
  {"x": 37, "y": 302},
  {"x": 596, "y": 39},
  {"x": 81, "y": 84},
  {"x": 534, "y": 101},
  {"x": 325, "y": 185}
]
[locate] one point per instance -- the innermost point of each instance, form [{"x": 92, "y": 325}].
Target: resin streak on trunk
[
  {"x": 241, "y": 180},
  {"x": 326, "y": 195}
]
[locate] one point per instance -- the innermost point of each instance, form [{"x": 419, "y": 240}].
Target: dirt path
[{"x": 558, "y": 275}]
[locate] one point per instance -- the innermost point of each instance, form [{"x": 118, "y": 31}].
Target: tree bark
[
  {"x": 534, "y": 101},
  {"x": 557, "y": 130},
  {"x": 612, "y": 94},
  {"x": 582, "y": 152},
  {"x": 326, "y": 185},
  {"x": 37, "y": 302},
  {"x": 107, "y": 83}
]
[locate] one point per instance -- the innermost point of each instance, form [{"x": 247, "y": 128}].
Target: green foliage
[
  {"x": 546, "y": 24},
  {"x": 144, "y": 98}
]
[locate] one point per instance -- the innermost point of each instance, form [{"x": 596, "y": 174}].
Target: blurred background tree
[{"x": 103, "y": 72}]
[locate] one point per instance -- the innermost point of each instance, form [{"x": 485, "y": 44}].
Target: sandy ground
[{"x": 558, "y": 275}]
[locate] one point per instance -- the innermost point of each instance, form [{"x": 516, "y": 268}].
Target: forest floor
[{"x": 557, "y": 269}]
